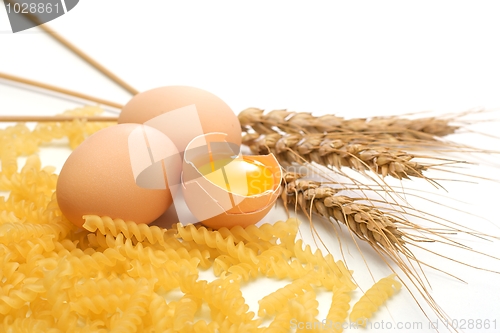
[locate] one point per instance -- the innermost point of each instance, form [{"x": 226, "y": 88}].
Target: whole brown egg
[
  {"x": 119, "y": 172},
  {"x": 193, "y": 111}
]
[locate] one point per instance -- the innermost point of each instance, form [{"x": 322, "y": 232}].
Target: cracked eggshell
[{"x": 215, "y": 206}]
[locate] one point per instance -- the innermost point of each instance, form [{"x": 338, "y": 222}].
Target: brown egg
[
  {"x": 193, "y": 111},
  {"x": 119, "y": 172}
]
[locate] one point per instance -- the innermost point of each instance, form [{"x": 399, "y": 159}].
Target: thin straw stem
[
  {"x": 80, "y": 53},
  {"x": 59, "y": 90}
]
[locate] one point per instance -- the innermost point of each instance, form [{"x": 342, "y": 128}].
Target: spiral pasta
[
  {"x": 129, "y": 229},
  {"x": 282, "y": 269},
  {"x": 265, "y": 233},
  {"x": 21, "y": 210},
  {"x": 338, "y": 275},
  {"x": 185, "y": 311},
  {"x": 243, "y": 271},
  {"x": 159, "y": 311},
  {"x": 117, "y": 276},
  {"x": 134, "y": 310},
  {"x": 8, "y": 159},
  {"x": 364, "y": 308},
  {"x": 75, "y": 131},
  {"x": 339, "y": 308},
  {"x": 305, "y": 309},
  {"x": 32, "y": 184},
  {"x": 274, "y": 302},
  {"x": 215, "y": 240},
  {"x": 16, "y": 232},
  {"x": 280, "y": 323},
  {"x": 164, "y": 277}
]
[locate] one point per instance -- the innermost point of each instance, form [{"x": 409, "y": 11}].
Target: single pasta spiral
[
  {"x": 373, "y": 299},
  {"x": 215, "y": 240},
  {"x": 274, "y": 302},
  {"x": 339, "y": 308},
  {"x": 185, "y": 311},
  {"x": 129, "y": 229}
]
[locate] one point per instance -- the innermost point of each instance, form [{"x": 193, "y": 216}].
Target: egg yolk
[{"x": 244, "y": 177}]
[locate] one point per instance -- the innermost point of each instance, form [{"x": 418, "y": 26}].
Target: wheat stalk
[
  {"x": 377, "y": 228},
  {"x": 325, "y": 150},
  {"x": 295, "y": 122},
  {"x": 393, "y": 133},
  {"x": 388, "y": 234},
  {"x": 366, "y": 222}
]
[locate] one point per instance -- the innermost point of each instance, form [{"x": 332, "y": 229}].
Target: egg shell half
[
  {"x": 99, "y": 178},
  {"x": 215, "y": 206}
]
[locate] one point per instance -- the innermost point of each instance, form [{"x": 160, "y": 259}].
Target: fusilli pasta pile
[{"x": 119, "y": 276}]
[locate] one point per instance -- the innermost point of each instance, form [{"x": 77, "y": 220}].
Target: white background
[{"x": 355, "y": 59}]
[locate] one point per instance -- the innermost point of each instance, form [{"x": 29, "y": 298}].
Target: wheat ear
[
  {"x": 377, "y": 228},
  {"x": 386, "y": 233},
  {"x": 366, "y": 222},
  {"x": 292, "y": 122},
  {"x": 335, "y": 154}
]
